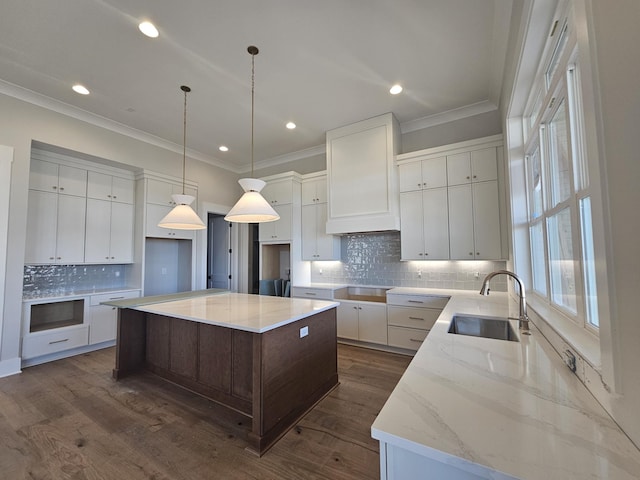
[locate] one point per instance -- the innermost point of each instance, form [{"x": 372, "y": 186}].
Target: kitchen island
[{"x": 270, "y": 359}]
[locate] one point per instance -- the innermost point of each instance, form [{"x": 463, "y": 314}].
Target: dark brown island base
[{"x": 271, "y": 359}]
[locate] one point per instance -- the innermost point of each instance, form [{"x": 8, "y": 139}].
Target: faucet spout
[{"x": 523, "y": 320}]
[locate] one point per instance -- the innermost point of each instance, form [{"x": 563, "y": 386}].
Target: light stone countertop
[
  {"x": 251, "y": 313},
  {"x": 489, "y": 406}
]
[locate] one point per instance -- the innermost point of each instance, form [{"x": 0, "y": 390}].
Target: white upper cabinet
[
  {"x": 278, "y": 192},
  {"x": 107, "y": 187},
  {"x": 52, "y": 177},
  {"x": 475, "y": 166},
  {"x": 316, "y": 244},
  {"x": 314, "y": 191},
  {"x": 159, "y": 192},
  {"x": 450, "y": 202},
  {"x": 363, "y": 184},
  {"x": 280, "y": 230},
  {"x": 159, "y": 203},
  {"x": 423, "y": 174},
  {"x": 109, "y": 237}
]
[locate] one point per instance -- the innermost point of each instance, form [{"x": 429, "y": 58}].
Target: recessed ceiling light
[
  {"x": 81, "y": 89},
  {"x": 148, "y": 29},
  {"x": 222, "y": 148},
  {"x": 291, "y": 125},
  {"x": 396, "y": 89}
]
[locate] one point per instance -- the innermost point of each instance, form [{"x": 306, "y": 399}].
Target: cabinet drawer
[
  {"x": 409, "y": 338},
  {"x": 315, "y": 293},
  {"x": 106, "y": 297},
  {"x": 413, "y": 317},
  {"x": 37, "y": 344},
  {"x": 425, "y": 301}
]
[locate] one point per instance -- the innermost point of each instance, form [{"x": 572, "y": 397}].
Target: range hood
[{"x": 362, "y": 181}]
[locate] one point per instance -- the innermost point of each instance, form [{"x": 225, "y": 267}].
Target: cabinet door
[
  {"x": 43, "y": 176},
  {"x": 121, "y": 237},
  {"x": 410, "y": 176},
  {"x": 283, "y": 226},
  {"x": 486, "y": 221},
  {"x": 434, "y": 172},
  {"x": 102, "y": 324},
  {"x": 435, "y": 224},
  {"x": 267, "y": 231},
  {"x": 327, "y": 246},
  {"x": 309, "y": 225},
  {"x": 411, "y": 230},
  {"x": 155, "y": 213},
  {"x": 159, "y": 193},
  {"x": 71, "y": 229},
  {"x": 314, "y": 191},
  {"x": 72, "y": 181},
  {"x": 372, "y": 323},
  {"x": 484, "y": 165},
  {"x": 461, "y": 223},
  {"x": 458, "y": 169},
  {"x": 41, "y": 227},
  {"x": 347, "y": 320},
  {"x": 278, "y": 192},
  {"x": 122, "y": 190},
  {"x": 98, "y": 231},
  {"x": 99, "y": 186}
]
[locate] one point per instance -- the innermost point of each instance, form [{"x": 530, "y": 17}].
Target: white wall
[
  {"x": 615, "y": 37},
  {"x": 20, "y": 123}
]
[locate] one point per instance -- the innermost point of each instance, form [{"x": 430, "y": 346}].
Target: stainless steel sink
[
  {"x": 487, "y": 327},
  {"x": 361, "y": 294}
]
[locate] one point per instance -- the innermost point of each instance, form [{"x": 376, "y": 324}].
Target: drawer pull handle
[
  {"x": 416, "y": 318},
  {"x": 415, "y": 301},
  {"x": 59, "y": 341},
  {"x": 309, "y": 293},
  {"x": 416, "y": 340},
  {"x": 116, "y": 298}
]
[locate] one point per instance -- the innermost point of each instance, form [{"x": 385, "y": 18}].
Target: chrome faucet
[{"x": 523, "y": 320}]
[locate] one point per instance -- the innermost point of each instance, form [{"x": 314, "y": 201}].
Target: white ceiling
[{"x": 322, "y": 64}]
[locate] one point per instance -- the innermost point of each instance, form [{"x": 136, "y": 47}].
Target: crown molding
[
  {"x": 448, "y": 116},
  {"x": 34, "y": 98},
  {"x": 288, "y": 157}
]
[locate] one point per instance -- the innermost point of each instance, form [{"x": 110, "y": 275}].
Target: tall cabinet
[
  {"x": 316, "y": 243},
  {"x": 451, "y": 202}
]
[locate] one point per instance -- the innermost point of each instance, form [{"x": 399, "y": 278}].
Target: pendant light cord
[
  {"x": 253, "y": 84},
  {"x": 186, "y": 90}
]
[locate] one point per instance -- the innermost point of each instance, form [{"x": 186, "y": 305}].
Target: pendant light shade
[
  {"x": 252, "y": 207},
  {"x": 182, "y": 217}
]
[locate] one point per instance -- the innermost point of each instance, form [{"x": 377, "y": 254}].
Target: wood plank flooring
[{"x": 70, "y": 420}]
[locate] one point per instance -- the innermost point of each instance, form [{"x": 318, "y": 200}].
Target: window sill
[{"x": 579, "y": 339}]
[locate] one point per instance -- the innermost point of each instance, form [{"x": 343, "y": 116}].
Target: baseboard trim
[{"x": 10, "y": 367}]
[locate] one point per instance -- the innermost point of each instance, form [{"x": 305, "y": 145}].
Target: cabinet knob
[
  {"x": 477, "y": 253},
  {"x": 114, "y": 196},
  {"x": 426, "y": 254},
  {"x": 113, "y": 258},
  {"x": 51, "y": 258},
  {"x": 106, "y": 258},
  {"x": 475, "y": 176},
  {"x": 108, "y": 196},
  {"x": 420, "y": 254},
  {"x": 424, "y": 184},
  {"x": 61, "y": 188},
  {"x": 54, "y": 187},
  {"x": 355, "y": 308},
  {"x": 59, "y": 258},
  {"x": 468, "y": 177},
  {"x": 470, "y": 253}
]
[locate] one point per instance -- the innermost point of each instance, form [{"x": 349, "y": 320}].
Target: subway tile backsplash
[
  {"x": 374, "y": 259},
  {"x": 58, "y": 280}
]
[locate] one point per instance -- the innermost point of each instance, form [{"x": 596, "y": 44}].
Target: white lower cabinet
[
  {"x": 103, "y": 319},
  {"x": 366, "y": 322},
  {"x": 410, "y": 317},
  {"x": 54, "y": 340}
]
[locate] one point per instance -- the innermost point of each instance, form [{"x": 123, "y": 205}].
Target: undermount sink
[
  {"x": 361, "y": 294},
  {"x": 487, "y": 327}
]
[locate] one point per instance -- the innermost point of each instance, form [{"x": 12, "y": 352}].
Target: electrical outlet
[
  {"x": 304, "y": 331},
  {"x": 419, "y": 274},
  {"x": 163, "y": 270},
  {"x": 570, "y": 360},
  {"x": 320, "y": 271},
  {"x": 476, "y": 275}
]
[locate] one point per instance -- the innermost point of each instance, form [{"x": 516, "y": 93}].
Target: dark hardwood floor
[{"x": 70, "y": 420}]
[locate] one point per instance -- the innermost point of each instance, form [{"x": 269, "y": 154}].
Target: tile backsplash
[
  {"x": 374, "y": 259},
  {"x": 54, "y": 280}
]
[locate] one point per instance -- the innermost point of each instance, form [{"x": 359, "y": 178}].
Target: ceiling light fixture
[
  {"x": 223, "y": 148},
  {"x": 291, "y": 125},
  {"x": 182, "y": 217},
  {"x": 81, "y": 89},
  {"x": 149, "y": 29},
  {"x": 252, "y": 207},
  {"x": 396, "y": 89}
]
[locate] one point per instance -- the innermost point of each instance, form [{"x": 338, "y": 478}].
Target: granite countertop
[
  {"x": 252, "y": 313},
  {"x": 489, "y": 406}
]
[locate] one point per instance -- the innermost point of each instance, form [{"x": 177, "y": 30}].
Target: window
[{"x": 558, "y": 191}]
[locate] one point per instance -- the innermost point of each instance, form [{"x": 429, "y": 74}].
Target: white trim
[
  {"x": 492, "y": 141},
  {"x": 288, "y": 157},
  {"x": 6, "y": 159},
  {"x": 448, "y": 116},
  {"x": 57, "y": 106},
  {"x": 10, "y": 367}
]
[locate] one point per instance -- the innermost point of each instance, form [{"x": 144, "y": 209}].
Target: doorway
[{"x": 218, "y": 252}]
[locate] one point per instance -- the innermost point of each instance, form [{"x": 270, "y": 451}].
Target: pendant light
[
  {"x": 182, "y": 217},
  {"x": 252, "y": 207}
]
